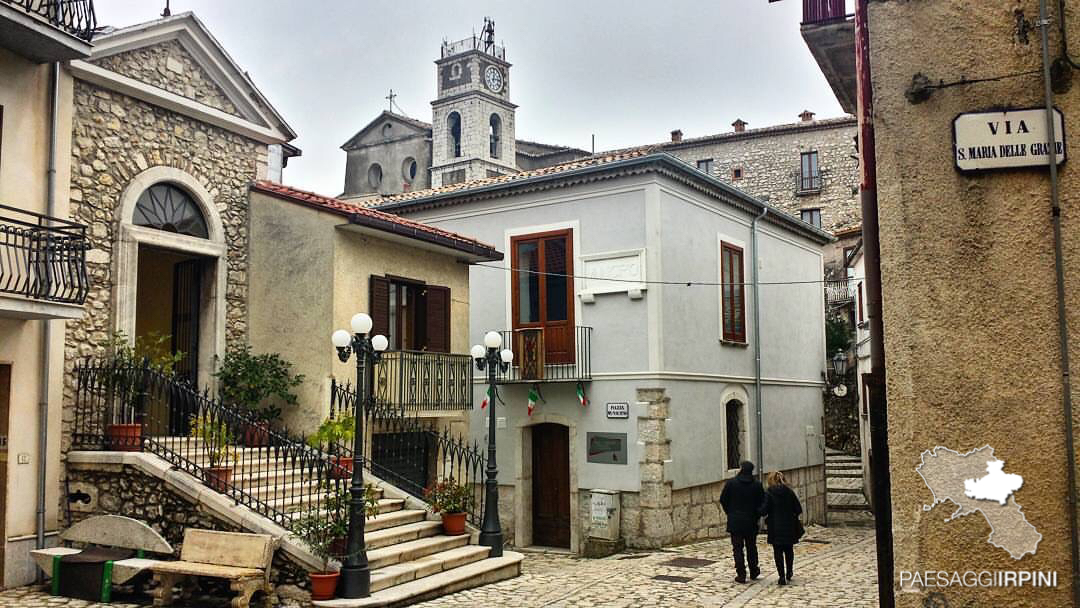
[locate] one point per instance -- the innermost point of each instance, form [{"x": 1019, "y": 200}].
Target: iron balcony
[
  {"x": 548, "y": 354},
  {"x": 42, "y": 258},
  {"x": 424, "y": 381},
  {"x": 48, "y": 30}
]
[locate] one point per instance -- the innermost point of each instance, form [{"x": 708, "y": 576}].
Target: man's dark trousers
[{"x": 749, "y": 542}]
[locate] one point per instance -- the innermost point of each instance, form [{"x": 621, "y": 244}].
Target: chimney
[
  {"x": 740, "y": 125},
  {"x": 807, "y": 116},
  {"x": 676, "y": 136}
]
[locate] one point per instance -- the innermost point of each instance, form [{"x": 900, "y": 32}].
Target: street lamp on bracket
[{"x": 489, "y": 358}]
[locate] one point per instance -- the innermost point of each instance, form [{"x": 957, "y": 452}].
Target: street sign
[
  {"x": 618, "y": 410},
  {"x": 1004, "y": 140}
]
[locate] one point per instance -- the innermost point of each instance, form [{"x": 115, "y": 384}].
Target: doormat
[
  {"x": 672, "y": 579},
  {"x": 688, "y": 562}
]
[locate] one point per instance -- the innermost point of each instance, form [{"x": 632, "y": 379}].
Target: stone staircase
[
  {"x": 409, "y": 556},
  {"x": 845, "y": 496}
]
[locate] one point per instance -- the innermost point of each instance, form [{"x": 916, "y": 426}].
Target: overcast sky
[{"x": 628, "y": 72}]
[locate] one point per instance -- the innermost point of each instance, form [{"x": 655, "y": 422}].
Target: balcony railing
[
  {"x": 548, "y": 354},
  {"x": 42, "y": 257},
  {"x": 839, "y": 292},
  {"x": 822, "y": 11},
  {"x": 807, "y": 183},
  {"x": 423, "y": 381},
  {"x": 475, "y": 43},
  {"x": 75, "y": 17}
]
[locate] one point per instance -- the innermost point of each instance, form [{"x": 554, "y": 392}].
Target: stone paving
[{"x": 833, "y": 567}]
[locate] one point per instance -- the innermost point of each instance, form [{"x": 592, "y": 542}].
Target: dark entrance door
[
  {"x": 551, "y": 485},
  {"x": 187, "y": 300}
]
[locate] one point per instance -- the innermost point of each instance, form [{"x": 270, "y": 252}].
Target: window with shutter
[
  {"x": 379, "y": 305},
  {"x": 437, "y": 327},
  {"x": 733, "y": 293}
]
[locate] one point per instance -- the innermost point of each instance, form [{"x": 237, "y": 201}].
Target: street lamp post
[
  {"x": 492, "y": 360},
  {"x": 355, "y": 573},
  {"x": 839, "y": 363}
]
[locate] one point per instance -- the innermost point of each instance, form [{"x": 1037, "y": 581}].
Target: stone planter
[
  {"x": 453, "y": 524},
  {"x": 324, "y": 585},
  {"x": 218, "y": 478},
  {"x": 124, "y": 437}
]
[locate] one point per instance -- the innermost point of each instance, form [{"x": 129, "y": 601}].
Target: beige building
[
  {"x": 413, "y": 280},
  {"x": 42, "y": 267},
  {"x": 974, "y": 330}
]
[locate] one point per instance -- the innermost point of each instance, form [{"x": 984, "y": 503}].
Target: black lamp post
[
  {"x": 493, "y": 361},
  {"x": 355, "y": 573}
]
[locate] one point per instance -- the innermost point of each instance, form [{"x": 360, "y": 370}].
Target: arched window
[
  {"x": 734, "y": 415},
  {"x": 374, "y": 176},
  {"x": 453, "y": 129},
  {"x": 494, "y": 134},
  {"x": 408, "y": 169},
  {"x": 169, "y": 208}
]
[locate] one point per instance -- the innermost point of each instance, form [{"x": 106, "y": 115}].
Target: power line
[{"x": 638, "y": 282}]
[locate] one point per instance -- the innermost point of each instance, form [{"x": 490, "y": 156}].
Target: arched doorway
[
  {"x": 551, "y": 485},
  {"x": 170, "y": 276}
]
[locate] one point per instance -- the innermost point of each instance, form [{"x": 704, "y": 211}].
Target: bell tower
[{"x": 472, "y": 122}]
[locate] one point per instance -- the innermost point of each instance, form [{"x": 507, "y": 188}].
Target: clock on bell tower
[{"x": 472, "y": 125}]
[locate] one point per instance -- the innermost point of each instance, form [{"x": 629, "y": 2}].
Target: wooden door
[
  {"x": 551, "y": 485},
  {"x": 543, "y": 290}
]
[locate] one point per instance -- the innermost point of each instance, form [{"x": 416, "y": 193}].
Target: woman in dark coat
[{"x": 781, "y": 509}]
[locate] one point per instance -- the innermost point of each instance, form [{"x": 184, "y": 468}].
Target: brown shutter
[
  {"x": 438, "y": 319},
  {"x": 379, "y": 305}
]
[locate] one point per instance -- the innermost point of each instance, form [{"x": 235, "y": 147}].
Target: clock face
[{"x": 493, "y": 78}]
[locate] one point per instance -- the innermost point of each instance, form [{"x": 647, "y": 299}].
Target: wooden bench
[
  {"x": 111, "y": 531},
  {"x": 242, "y": 559}
]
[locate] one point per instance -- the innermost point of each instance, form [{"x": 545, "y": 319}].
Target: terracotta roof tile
[{"x": 374, "y": 218}]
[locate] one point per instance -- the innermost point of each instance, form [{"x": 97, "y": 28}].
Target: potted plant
[
  {"x": 215, "y": 442},
  {"x": 325, "y": 529},
  {"x": 333, "y": 434},
  {"x": 153, "y": 351},
  {"x": 260, "y": 384},
  {"x": 452, "y": 500}
]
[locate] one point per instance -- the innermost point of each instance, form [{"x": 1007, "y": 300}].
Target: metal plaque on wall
[
  {"x": 606, "y": 448},
  {"x": 985, "y": 141},
  {"x": 618, "y": 410}
]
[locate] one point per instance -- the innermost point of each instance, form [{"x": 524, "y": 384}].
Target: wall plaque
[
  {"x": 606, "y": 448},
  {"x": 618, "y": 410},
  {"x": 1003, "y": 140}
]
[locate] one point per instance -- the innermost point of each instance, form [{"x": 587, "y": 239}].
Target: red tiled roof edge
[{"x": 379, "y": 220}]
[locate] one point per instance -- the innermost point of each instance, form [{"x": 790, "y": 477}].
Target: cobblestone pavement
[{"x": 833, "y": 567}]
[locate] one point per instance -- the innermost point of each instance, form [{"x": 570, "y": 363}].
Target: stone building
[{"x": 979, "y": 328}]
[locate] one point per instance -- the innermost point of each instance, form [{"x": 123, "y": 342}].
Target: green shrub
[{"x": 260, "y": 383}]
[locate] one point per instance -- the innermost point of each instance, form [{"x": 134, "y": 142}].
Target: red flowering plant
[{"x": 449, "y": 496}]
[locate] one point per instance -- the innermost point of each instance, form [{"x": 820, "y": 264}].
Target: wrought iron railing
[
  {"x": 127, "y": 405},
  {"x": 839, "y": 292},
  {"x": 75, "y": 17},
  {"x": 42, "y": 257},
  {"x": 408, "y": 451},
  {"x": 474, "y": 43},
  {"x": 807, "y": 182},
  {"x": 548, "y": 354},
  {"x": 820, "y": 11},
  {"x": 426, "y": 381}
]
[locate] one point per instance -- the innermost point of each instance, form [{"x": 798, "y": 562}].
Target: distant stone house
[{"x": 627, "y": 298}]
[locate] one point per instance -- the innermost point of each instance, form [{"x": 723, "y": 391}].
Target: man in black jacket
[{"x": 741, "y": 499}]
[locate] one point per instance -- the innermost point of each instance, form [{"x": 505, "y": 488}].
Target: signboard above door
[{"x": 1004, "y": 140}]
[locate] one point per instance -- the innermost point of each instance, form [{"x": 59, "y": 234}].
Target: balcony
[
  {"x": 47, "y": 30},
  {"x": 424, "y": 381},
  {"x": 42, "y": 266},
  {"x": 808, "y": 183},
  {"x": 839, "y": 292},
  {"x": 548, "y": 354},
  {"x": 828, "y": 28}
]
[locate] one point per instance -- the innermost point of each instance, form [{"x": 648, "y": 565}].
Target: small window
[
  {"x": 733, "y": 293},
  {"x": 453, "y": 131},
  {"x": 387, "y": 130},
  {"x": 374, "y": 175},
  {"x": 734, "y": 433},
  {"x": 408, "y": 169},
  {"x": 862, "y": 314},
  {"x": 494, "y": 135},
  {"x": 705, "y": 166},
  {"x": 812, "y": 217},
  {"x": 736, "y": 173},
  {"x": 809, "y": 172}
]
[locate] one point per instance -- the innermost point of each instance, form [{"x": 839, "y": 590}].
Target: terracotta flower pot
[
  {"x": 218, "y": 478},
  {"x": 124, "y": 437},
  {"x": 453, "y": 524},
  {"x": 345, "y": 471},
  {"x": 323, "y": 585},
  {"x": 258, "y": 435}
]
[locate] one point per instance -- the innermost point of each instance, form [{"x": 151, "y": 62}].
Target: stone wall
[{"x": 126, "y": 490}]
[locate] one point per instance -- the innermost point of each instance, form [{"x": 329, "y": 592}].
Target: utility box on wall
[{"x": 605, "y": 516}]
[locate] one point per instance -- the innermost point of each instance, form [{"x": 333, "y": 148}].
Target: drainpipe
[
  {"x": 46, "y": 326},
  {"x": 1063, "y": 327},
  {"x": 874, "y": 382},
  {"x": 757, "y": 343}
]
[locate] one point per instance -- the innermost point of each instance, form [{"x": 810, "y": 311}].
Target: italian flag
[
  {"x": 581, "y": 395},
  {"x": 487, "y": 397},
  {"x": 533, "y": 398}
]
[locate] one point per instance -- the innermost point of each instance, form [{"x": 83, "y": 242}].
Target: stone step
[
  {"x": 844, "y": 491},
  {"x": 842, "y": 458},
  {"x": 383, "y": 521},
  {"x": 831, "y": 475},
  {"x": 471, "y": 575},
  {"x": 397, "y": 574},
  {"x": 400, "y": 534},
  {"x": 413, "y": 549},
  {"x": 844, "y": 465},
  {"x": 862, "y": 507}
]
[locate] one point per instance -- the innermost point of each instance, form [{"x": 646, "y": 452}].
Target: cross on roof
[{"x": 391, "y": 97}]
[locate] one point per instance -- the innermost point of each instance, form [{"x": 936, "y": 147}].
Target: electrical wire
[{"x": 673, "y": 283}]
